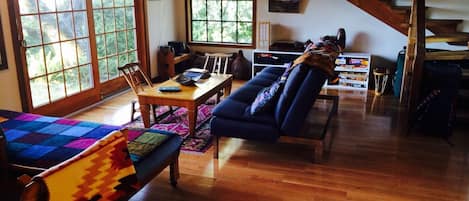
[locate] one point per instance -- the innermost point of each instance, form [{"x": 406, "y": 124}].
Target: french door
[{"x": 71, "y": 49}]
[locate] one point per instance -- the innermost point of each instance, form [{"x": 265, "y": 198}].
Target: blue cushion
[
  {"x": 266, "y": 98},
  {"x": 266, "y": 76},
  {"x": 246, "y": 93},
  {"x": 302, "y": 102},
  {"x": 293, "y": 82},
  {"x": 220, "y": 126},
  {"x": 272, "y": 70},
  {"x": 240, "y": 111},
  {"x": 147, "y": 169}
]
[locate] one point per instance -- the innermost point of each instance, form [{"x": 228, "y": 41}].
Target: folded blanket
[{"x": 103, "y": 171}]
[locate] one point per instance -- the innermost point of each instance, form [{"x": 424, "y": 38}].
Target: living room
[{"x": 371, "y": 157}]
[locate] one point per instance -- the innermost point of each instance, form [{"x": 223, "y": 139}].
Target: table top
[{"x": 201, "y": 88}]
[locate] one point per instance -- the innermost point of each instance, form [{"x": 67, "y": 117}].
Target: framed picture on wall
[
  {"x": 284, "y": 6},
  {"x": 3, "y": 57}
]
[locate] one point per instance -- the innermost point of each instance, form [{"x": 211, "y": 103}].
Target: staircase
[
  {"x": 444, "y": 30},
  {"x": 414, "y": 22}
]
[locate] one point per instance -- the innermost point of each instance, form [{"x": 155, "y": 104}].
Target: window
[
  {"x": 115, "y": 32},
  {"x": 226, "y": 22},
  {"x": 57, "y": 46},
  {"x": 72, "y": 49}
]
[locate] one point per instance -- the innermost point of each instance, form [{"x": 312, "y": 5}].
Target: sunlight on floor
[
  {"x": 122, "y": 112},
  {"x": 231, "y": 146}
]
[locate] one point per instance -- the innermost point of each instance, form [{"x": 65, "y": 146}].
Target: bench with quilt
[{"x": 37, "y": 144}]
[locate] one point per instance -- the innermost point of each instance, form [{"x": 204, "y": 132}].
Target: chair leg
[
  {"x": 219, "y": 94},
  {"x": 215, "y": 147},
  {"x": 132, "y": 111},
  {"x": 171, "y": 110},
  {"x": 174, "y": 171}
]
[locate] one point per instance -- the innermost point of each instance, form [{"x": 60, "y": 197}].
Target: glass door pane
[
  {"x": 57, "y": 48},
  {"x": 115, "y": 30}
]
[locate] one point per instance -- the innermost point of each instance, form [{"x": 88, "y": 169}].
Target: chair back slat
[
  {"x": 133, "y": 74},
  {"x": 218, "y": 59}
]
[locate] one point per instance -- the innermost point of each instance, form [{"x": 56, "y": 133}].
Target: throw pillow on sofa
[{"x": 266, "y": 98}]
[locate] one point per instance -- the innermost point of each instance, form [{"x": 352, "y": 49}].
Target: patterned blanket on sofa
[{"x": 43, "y": 141}]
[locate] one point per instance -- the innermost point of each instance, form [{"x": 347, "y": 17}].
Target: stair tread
[
  {"x": 447, "y": 55},
  {"x": 448, "y": 37},
  {"x": 443, "y": 21}
]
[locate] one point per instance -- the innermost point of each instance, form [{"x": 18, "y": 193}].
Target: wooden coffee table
[{"x": 189, "y": 97}]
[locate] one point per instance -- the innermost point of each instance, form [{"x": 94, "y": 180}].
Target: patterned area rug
[{"x": 177, "y": 122}]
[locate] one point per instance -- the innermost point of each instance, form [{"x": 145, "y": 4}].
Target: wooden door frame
[{"x": 82, "y": 99}]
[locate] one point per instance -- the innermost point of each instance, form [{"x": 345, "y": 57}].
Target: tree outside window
[{"x": 225, "y": 22}]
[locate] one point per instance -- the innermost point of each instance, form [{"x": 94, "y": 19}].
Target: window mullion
[
  {"x": 221, "y": 20},
  {"x": 206, "y": 20},
  {"x": 237, "y": 22}
]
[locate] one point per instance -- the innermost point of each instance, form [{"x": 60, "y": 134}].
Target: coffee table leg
[
  {"x": 227, "y": 90},
  {"x": 192, "y": 115},
  {"x": 145, "y": 111}
]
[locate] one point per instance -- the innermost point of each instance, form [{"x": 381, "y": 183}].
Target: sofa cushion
[
  {"x": 246, "y": 94},
  {"x": 266, "y": 98},
  {"x": 149, "y": 167},
  {"x": 266, "y": 76},
  {"x": 301, "y": 103},
  {"x": 250, "y": 130},
  {"x": 293, "y": 82},
  {"x": 272, "y": 70},
  {"x": 240, "y": 111}
]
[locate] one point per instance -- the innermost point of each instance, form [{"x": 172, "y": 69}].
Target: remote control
[{"x": 169, "y": 89}]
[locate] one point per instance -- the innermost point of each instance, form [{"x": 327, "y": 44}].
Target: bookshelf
[
  {"x": 264, "y": 58},
  {"x": 353, "y": 67},
  {"x": 354, "y": 71}
]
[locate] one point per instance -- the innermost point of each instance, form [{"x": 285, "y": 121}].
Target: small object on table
[
  {"x": 197, "y": 72},
  {"x": 169, "y": 89}
]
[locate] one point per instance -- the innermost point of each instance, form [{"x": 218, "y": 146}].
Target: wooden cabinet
[{"x": 167, "y": 61}]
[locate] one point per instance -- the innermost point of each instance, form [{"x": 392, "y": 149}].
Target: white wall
[
  {"x": 323, "y": 17},
  {"x": 9, "y": 89},
  {"x": 161, "y": 27}
]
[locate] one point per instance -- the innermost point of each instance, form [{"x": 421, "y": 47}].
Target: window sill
[{"x": 226, "y": 45}]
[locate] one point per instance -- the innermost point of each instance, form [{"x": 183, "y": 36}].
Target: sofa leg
[
  {"x": 174, "y": 171},
  {"x": 318, "y": 151},
  {"x": 215, "y": 147}
]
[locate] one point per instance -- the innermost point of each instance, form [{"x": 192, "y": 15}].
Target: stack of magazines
[{"x": 190, "y": 76}]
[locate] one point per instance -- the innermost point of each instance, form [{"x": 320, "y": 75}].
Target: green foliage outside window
[
  {"x": 222, "y": 21},
  {"x": 58, "y": 54}
]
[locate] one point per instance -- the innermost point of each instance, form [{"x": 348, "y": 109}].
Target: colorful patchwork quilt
[
  {"x": 43, "y": 141},
  {"x": 102, "y": 172}
]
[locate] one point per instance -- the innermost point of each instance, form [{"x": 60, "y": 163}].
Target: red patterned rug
[{"x": 177, "y": 122}]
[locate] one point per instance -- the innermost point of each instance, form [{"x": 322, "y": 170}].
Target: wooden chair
[
  {"x": 136, "y": 79},
  {"x": 218, "y": 60}
]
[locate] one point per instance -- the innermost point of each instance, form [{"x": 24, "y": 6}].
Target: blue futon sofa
[{"x": 232, "y": 117}]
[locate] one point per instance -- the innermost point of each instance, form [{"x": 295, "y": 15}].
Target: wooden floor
[{"x": 370, "y": 159}]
